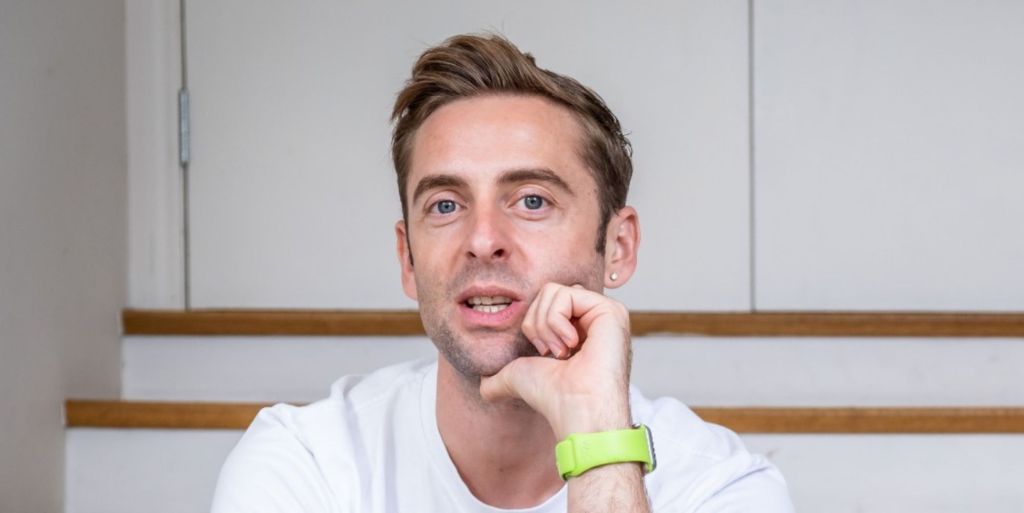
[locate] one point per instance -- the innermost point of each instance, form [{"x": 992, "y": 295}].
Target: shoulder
[
  {"x": 355, "y": 403},
  {"x": 702, "y": 466},
  {"x": 303, "y": 458}
]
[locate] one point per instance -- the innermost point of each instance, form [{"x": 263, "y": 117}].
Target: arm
[
  {"x": 609, "y": 488},
  {"x": 587, "y": 392}
]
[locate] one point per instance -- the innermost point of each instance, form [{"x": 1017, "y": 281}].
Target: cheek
[
  {"x": 432, "y": 249},
  {"x": 436, "y": 265},
  {"x": 567, "y": 259},
  {"x": 588, "y": 274}
]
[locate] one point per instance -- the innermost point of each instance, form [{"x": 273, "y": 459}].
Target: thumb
[{"x": 519, "y": 379}]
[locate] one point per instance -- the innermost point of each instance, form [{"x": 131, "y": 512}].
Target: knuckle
[
  {"x": 510, "y": 369},
  {"x": 622, "y": 309},
  {"x": 528, "y": 327}
]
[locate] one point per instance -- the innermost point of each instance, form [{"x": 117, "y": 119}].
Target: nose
[{"x": 488, "y": 239}]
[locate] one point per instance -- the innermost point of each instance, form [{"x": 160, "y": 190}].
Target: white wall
[
  {"x": 699, "y": 371},
  {"x": 165, "y": 471},
  {"x": 889, "y": 148},
  {"x": 293, "y": 195},
  {"x": 790, "y": 154},
  {"x": 884, "y": 175},
  {"x": 62, "y": 230},
  {"x": 156, "y": 277}
]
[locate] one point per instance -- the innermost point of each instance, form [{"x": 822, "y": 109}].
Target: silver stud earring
[{"x": 614, "y": 276}]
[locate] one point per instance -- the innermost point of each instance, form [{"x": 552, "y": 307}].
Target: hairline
[{"x": 584, "y": 127}]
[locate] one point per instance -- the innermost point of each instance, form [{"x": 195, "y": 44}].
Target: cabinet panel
[
  {"x": 737, "y": 372},
  {"x": 889, "y": 144},
  {"x": 175, "y": 470},
  {"x": 897, "y": 473},
  {"x": 293, "y": 194}
]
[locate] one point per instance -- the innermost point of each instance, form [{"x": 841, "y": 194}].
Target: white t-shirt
[{"x": 374, "y": 446}]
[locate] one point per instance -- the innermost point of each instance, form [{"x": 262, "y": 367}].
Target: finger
[
  {"x": 529, "y": 329},
  {"x": 530, "y": 332},
  {"x": 552, "y": 338},
  {"x": 560, "y": 318},
  {"x": 535, "y": 320},
  {"x": 595, "y": 317},
  {"x": 585, "y": 305},
  {"x": 565, "y": 321}
]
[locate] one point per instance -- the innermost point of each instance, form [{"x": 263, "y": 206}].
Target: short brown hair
[{"x": 465, "y": 66}]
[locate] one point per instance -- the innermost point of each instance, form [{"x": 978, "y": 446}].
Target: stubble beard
[
  {"x": 463, "y": 351},
  {"x": 457, "y": 352}
]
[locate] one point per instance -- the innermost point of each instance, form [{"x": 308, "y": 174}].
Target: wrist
[
  {"x": 593, "y": 424},
  {"x": 607, "y": 413}
]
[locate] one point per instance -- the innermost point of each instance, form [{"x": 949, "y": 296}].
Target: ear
[
  {"x": 405, "y": 260},
  {"x": 622, "y": 240}
]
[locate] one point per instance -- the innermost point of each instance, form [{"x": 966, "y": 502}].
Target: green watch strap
[{"x": 580, "y": 452}]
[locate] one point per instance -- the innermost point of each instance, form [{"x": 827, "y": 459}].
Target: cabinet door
[
  {"x": 889, "y": 160},
  {"x": 293, "y": 197}
]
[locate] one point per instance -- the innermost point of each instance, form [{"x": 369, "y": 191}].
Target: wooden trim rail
[
  {"x": 402, "y": 322},
  {"x": 168, "y": 415}
]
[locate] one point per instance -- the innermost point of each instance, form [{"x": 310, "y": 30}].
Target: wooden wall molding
[
  {"x": 867, "y": 420},
  {"x": 172, "y": 415},
  {"x": 403, "y": 322},
  {"x": 159, "y": 415},
  {"x": 272, "y": 322}
]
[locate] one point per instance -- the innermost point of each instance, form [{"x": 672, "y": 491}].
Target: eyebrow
[
  {"x": 535, "y": 175},
  {"x": 509, "y": 177},
  {"x": 435, "y": 182}
]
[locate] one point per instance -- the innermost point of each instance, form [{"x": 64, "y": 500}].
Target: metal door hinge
[{"x": 183, "y": 127}]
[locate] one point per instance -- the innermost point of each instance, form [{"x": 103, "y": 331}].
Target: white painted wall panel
[
  {"x": 255, "y": 369},
  {"x": 699, "y": 371},
  {"x": 889, "y": 147},
  {"x": 156, "y": 255},
  {"x": 899, "y": 473},
  {"x": 63, "y": 188},
  {"x": 161, "y": 471},
  {"x": 293, "y": 192},
  {"x": 153, "y": 470}
]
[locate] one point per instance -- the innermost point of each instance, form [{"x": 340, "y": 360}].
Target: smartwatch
[{"x": 580, "y": 452}]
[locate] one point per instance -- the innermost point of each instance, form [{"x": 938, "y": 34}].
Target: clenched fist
[{"x": 585, "y": 388}]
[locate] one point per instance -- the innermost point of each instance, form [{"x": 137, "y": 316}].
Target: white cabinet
[
  {"x": 888, "y": 140},
  {"x": 293, "y": 197},
  {"x": 889, "y": 157}
]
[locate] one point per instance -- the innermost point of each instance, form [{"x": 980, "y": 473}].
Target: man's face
[{"x": 500, "y": 203}]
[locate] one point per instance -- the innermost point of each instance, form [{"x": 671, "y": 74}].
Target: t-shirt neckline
[{"x": 442, "y": 462}]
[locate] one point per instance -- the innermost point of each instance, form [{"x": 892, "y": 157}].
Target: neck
[{"x": 494, "y": 444}]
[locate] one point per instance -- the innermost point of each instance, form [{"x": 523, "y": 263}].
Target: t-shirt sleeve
[
  {"x": 706, "y": 468},
  {"x": 271, "y": 471},
  {"x": 763, "y": 491}
]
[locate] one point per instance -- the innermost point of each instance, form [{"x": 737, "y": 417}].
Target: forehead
[{"x": 481, "y": 137}]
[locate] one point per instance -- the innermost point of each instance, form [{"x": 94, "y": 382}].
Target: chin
[{"x": 484, "y": 356}]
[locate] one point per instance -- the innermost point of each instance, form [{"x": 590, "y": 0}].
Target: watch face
[{"x": 650, "y": 448}]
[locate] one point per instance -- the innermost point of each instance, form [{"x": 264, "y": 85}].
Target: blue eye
[
  {"x": 533, "y": 202},
  {"x": 445, "y": 206}
]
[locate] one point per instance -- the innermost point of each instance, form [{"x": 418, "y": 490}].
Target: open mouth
[{"x": 488, "y": 304}]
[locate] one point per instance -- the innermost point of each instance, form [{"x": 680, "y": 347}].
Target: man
[{"x": 513, "y": 184}]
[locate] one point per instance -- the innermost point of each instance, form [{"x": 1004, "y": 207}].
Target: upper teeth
[{"x": 488, "y": 300}]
